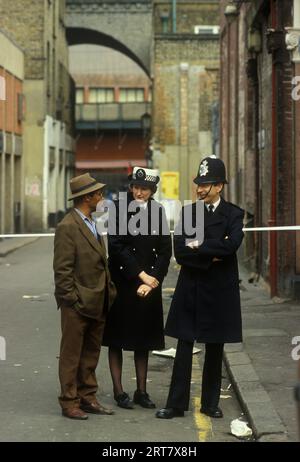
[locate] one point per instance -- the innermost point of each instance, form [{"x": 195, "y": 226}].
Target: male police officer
[{"x": 206, "y": 302}]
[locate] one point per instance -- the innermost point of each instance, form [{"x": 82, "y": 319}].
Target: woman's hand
[
  {"x": 143, "y": 290},
  {"x": 149, "y": 280}
]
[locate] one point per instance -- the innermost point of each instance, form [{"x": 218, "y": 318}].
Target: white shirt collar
[
  {"x": 215, "y": 204},
  {"x": 143, "y": 205}
]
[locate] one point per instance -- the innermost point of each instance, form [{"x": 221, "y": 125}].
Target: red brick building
[
  {"x": 260, "y": 131},
  {"x": 11, "y": 151}
]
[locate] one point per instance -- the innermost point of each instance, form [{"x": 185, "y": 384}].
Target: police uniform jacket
[
  {"x": 206, "y": 302},
  {"x": 134, "y": 322}
]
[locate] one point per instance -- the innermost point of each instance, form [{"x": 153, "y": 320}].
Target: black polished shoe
[
  {"x": 212, "y": 412},
  {"x": 124, "y": 401},
  {"x": 169, "y": 413},
  {"x": 142, "y": 398}
]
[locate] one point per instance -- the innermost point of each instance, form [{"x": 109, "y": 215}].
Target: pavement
[
  {"x": 262, "y": 369},
  {"x": 11, "y": 244}
]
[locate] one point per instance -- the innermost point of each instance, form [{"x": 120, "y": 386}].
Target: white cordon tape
[
  {"x": 266, "y": 228},
  {"x": 27, "y": 235},
  {"x": 274, "y": 228}
]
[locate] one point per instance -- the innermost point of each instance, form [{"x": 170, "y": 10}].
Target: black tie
[{"x": 210, "y": 209}]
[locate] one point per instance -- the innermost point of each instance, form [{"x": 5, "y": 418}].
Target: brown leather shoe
[
  {"x": 96, "y": 408},
  {"x": 74, "y": 413}
]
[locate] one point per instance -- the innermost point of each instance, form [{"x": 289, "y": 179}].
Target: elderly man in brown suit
[{"x": 84, "y": 292}]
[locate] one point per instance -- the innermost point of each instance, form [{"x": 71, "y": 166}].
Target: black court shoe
[
  {"x": 169, "y": 413},
  {"x": 212, "y": 412},
  {"x": 142, "y": 398},
  {"x": 124, "y": 401}
]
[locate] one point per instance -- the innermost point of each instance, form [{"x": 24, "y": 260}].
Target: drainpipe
[
  {"x": 45, "y": 212},
  {"x": 272, "y": 221},
  {"x": 174, "y": 16},
  {"x": 258, "y": 202}
]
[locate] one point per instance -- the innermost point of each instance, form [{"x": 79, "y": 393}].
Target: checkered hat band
[{"x": 147, "y": 178}]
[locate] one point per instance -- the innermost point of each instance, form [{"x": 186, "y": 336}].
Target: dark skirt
[{"x": 135, "y": 323}]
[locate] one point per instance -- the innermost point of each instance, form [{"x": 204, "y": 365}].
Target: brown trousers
[{"x": 79, "y": 355}]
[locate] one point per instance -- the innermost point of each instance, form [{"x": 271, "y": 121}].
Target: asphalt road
[{"x": 30, "y": 327}]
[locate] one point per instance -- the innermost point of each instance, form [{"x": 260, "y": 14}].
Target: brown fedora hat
[{"x": 83, "y": 184}]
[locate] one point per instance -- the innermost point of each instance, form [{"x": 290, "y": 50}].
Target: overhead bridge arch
[
  {"x": 80, "y": 35},
  {"x": 124, "y": 25}
]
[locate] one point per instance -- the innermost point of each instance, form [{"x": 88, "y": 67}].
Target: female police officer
[{"x": 138, "y": 261}]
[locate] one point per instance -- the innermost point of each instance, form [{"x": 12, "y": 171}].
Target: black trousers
[{"x": 179, "y": 393}]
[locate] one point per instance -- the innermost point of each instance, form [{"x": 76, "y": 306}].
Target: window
[
  {"x": 20, "y": 107},
  {"x": 2, "y": 88},
  {"x": 101, "y": 95},
  {"x": 132, "y": 95},
  {"x": 79, "y": 95}
]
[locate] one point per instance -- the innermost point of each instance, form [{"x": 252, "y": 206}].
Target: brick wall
[
  {"x": 37, "y": 26},
  {"x": 185, "y": 88},
  {"x": 296, "y": 165},
  {"x": 23, "y": 21},
  {"x": 188, "y": 13},
  {"x": 246, "y": 115},
  {"x": 286, "y": 173},
  {"x": 9, "y": 108}
]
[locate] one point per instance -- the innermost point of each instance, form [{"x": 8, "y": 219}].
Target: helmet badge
[{"x": 203, "y": 169}]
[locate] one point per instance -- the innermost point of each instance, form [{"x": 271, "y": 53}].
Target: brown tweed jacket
[{"x": 82, "y": 278}]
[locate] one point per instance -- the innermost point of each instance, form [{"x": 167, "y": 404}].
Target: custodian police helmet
[{"x": 211, "y": 170}]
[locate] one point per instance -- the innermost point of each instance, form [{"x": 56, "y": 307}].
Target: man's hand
[
  {"x": 149, "y": 280},
  {"x": 143, "y": 290},
  {"x": 217, "y": 259},
  {"x": 193, "y": 245}
]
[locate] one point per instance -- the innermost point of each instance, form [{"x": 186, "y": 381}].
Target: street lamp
[
  {"x": 146, "y": 126},
  {"x": 254, "y": 41},
  {"x": 146, "y": 123}
]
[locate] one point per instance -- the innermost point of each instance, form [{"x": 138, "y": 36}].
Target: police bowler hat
[{"x": 145, "y": 177}]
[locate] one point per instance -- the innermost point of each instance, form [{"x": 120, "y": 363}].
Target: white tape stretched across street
[
  {"x": 274, "y": 228},
  {"x": 264, "y": 228}
]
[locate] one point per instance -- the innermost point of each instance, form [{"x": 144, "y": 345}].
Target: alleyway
[{"x": 29, "y": 382}]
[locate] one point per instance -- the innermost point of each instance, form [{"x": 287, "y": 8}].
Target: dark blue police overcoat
[{"x": 206, "y": 302}]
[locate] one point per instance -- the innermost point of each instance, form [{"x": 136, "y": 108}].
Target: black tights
[{"x": 115, "y": 357}]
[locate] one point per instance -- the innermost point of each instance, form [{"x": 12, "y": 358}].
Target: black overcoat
[
  {"x": 206, "y": 302},
  {"x": 133, "y": 322}
]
